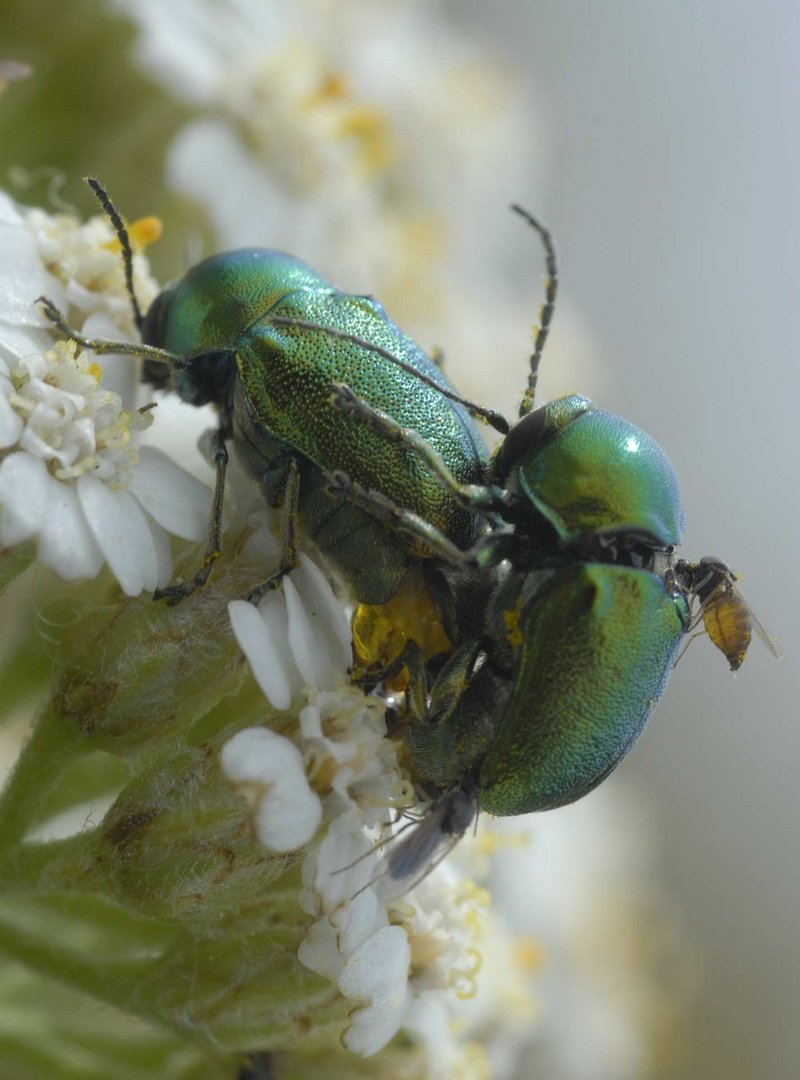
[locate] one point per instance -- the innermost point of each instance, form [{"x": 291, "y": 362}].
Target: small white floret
[
  {"x": 268, "y": 769},
  {"x": 296, "y": 637}
]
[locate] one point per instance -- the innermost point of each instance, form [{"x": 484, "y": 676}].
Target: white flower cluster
[
  {"x": 389, "y": 959},
  {"x": 85, "y": 257},
  {"x": 335, "y": 766},
  {"x": 71, "y": 477}
]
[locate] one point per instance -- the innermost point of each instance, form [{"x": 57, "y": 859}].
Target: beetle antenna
[
  {"x": 115, "y": 218},
  {"x": 547, "y": 309}
]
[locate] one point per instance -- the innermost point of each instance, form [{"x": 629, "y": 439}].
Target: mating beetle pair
[{"x": 551, "y": 566}]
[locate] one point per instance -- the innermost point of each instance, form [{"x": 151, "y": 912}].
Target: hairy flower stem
[
  {"x": 51, "y": 749},
  {"x": 234, "y": 987},
  {"x": 55, "y": 864}
]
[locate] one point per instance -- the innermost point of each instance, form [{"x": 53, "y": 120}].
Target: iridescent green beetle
[
  {"x": 276, "y": 336},
  {"x": 581, "y": 633},
  {"x": 265, "y": 338}
]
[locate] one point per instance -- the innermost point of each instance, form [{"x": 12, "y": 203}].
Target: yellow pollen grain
[
  {"x": 145, "y": 231},
  {"x": 141, "y": 233},
  {"x": 96, "y": 372}
]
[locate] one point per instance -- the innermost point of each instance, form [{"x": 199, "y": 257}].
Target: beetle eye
[{"x": 523, "y": 437}]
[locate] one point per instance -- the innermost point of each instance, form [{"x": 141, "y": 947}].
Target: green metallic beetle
[
  {"x": 580, "y": 647},
  {"x": 582, "y": 631},
  {"x": 265, "y": 338}
]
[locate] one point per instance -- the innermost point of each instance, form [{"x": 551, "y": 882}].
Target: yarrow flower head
[
  {"x": 71, "y": 476},
  {"x": 332, "y": 782}
]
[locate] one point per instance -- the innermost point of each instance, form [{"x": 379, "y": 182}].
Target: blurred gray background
[{"x": 672, "y": 190}]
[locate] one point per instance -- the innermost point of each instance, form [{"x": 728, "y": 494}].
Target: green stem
[
  {"x": 56, "y": 864},
  {"x": 108, "y": 979},
  {"x": 53, "y": 746},
  {"x": 13, "y": 562}
]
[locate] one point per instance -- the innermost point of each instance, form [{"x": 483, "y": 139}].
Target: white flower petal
[
  {"x": 23, "y": 278},
  {"x": 319, "y": 950},
  {"x": 317, "y": 591},
  {"x": 177, "y": 430},
  {"x": 374, "y": 1026},
  {"x": 21, "y": 341},
  {"x": 119, "y": 526},
  {"x": 378, "y": 969},
  {"x": 9, "y": 214},
  {"x": 10, "y": 422},
  {"x": 377, "y": 973},
  {"x": 65, "y": 540},
  {"x": 266, "y": 651},
  {"x": 262, "y": 545},
  {"x": 288, "y": 811},
  {"x": 289, "y": 816},
  {"x": 358, "y": 920},
  {"x": 340, "y": 870},
  {"x": 317, "y": 646},
  {"x": 24, "y": 488},
  {"x": 319, "y": 595},
  {"x": 301, "y": 636},
  {"x": 163, "y": 552},
  {"x": 120, "y": 372},
  {"x": 177, "y": 501}
]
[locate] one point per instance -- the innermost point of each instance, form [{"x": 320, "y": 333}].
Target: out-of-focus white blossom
[
  {"x": 315, "y": 135},
  {"x": 618, "y": 971}
]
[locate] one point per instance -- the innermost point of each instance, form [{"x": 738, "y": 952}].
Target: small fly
[
  {"x": 727, "y": 617},
  {"x": 409, "y": 860}
]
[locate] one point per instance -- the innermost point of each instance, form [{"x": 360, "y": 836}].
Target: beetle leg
[
  {"x": 452, "y": 682},
  {"x": 479, "y": 498},
  {"x": 103, "y": 345},
  {"x": 396, "y": 517},
  {"x": 176, "y": 593},
  {"x": 288, "y": 535},
  {"x": 490, "y": 550}
]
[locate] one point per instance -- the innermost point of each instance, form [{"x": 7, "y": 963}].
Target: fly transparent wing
[{"x": 412, "y": 858}]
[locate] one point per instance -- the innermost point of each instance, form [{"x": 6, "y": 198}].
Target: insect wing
[
  {"x": 770, "y": 642},
  {"x": 429, "y": 843}
]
